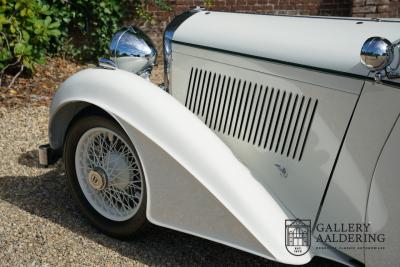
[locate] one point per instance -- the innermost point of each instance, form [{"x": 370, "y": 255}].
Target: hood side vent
[{"x": 266, "y": 117}]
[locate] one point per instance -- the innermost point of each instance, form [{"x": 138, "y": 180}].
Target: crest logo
[
  {"x": 297, "y": 236},
  {"x": 282, "y": 170}
]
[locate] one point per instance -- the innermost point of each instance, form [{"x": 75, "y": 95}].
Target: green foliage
[
  {"x": 87, "y": 26},
  {"x": 26, "y": 28},
  {"x": 81, "y": 29}
]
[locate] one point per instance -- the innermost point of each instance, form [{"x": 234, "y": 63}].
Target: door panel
[
  {"x": 383, "y": 212},
  {"x": 372, "y": 122},
  {"x": 287, "y": 132}
]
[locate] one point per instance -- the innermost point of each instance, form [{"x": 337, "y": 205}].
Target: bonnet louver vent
[{"x": 266, "y": 117}]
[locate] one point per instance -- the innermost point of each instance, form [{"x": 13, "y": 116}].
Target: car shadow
[{"x": 47, "y": 196}]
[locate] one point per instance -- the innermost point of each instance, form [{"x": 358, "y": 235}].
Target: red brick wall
[
  {"x": 287, "y": 7},
  {"x": 338, "y": 8},
  {"x": 376, "y": 8},
  {"x": 356, "y": 8}
]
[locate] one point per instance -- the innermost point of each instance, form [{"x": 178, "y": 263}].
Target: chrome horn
[
  {"x": 131, "y": 50},
  {"x": 377, "y": 55}
]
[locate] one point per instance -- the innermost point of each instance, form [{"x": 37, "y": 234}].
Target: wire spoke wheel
[{"x": 109, "y": 174}]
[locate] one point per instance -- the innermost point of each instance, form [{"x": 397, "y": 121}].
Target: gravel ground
[{"x": 39, "y": 224}]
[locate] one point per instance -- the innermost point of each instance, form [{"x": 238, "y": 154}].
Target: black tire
[{"x": 125, "y": 230}]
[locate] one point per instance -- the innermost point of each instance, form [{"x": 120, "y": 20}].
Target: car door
[{"x": 362, "y": 158}]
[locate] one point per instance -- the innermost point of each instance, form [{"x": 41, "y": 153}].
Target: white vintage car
[{"x": 276, "y": 135}]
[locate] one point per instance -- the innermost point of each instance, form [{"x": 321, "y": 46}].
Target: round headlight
[
  {"x": 377, "y": 53},
  {"x": 132, "y": 50}
]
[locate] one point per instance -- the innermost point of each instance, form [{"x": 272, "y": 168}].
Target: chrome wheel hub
[
  {"x": 97, "y": 179},
  {"x": 109, "y": 174}
]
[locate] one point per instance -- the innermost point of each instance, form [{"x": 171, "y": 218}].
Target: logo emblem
[
  {"x": 297, "y": 236},
  {"x": 282, "y": 170}
]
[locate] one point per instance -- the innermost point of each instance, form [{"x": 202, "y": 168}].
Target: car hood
[{"x": 318, "y": 42}]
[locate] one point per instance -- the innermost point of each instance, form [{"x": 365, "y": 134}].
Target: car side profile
[{"x": 276, "y": 135}]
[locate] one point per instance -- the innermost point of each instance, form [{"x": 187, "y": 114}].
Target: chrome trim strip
[
  {"x": 106, "y": 63},
  {"x": 167, "y": 41}
]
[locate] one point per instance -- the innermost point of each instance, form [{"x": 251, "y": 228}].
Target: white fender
[{"x": 168, "y": 124}]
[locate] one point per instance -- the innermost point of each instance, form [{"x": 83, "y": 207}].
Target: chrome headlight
[
  {"x": 377, "y": 53},
  {"x": 132, "y": 50}
]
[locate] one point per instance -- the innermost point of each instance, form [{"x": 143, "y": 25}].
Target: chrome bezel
[
  {"x": 378, "y": 49},
  {"x": 167, "y": 43},
  {"x": 383, "y": 52},
  {"x": 131, "y": 42}
]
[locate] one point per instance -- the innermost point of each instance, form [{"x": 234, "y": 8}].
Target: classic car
[{"x": 276, "y": 135}]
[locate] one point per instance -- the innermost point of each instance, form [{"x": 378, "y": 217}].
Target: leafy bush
[
  {"x": 26, "y": 28},
  {"x": 87, "y": 26}
]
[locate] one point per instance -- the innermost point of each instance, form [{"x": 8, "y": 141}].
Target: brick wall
[
  {"x": 338, "y": 8},
  {"x": 287, "y": 7},
  {"x": 283, "y": 7},
  {"x": 356, "y": 8},
  {"x": 376, "y": 8}
]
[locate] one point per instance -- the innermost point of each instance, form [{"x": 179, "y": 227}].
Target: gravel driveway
[{"x": 39, "y": 224}]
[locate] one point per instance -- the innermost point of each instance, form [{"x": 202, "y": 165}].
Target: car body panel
[
  {"x": 383, "y": 211},
  {"x": 349, "y": 84},
  {"x": 179, "y": 201},
  {"x": 160, "y": 117},
  {"x": 320, "y": 42},
  {"x": 372, "y": 122},
  {"x": 300, "y": 132}
]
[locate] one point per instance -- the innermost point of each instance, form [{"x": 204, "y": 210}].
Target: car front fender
[{"x": 139, "y": 104}]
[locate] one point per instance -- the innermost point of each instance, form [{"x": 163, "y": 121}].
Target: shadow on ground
[{"x": 47, "y": 196}]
